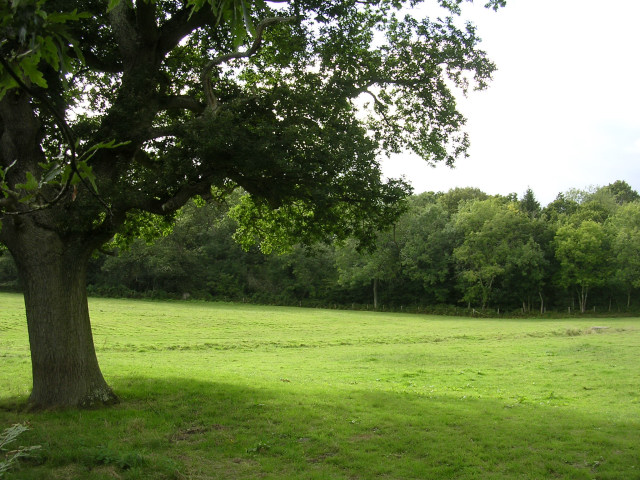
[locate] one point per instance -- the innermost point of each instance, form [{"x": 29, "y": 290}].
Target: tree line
[{"x": 462, "y": 249}]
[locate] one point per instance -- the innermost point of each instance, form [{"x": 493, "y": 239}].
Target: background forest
[{"x": 449, "y": 252}]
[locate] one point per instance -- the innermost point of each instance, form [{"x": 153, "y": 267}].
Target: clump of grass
[
  {"x": 574, "y": 332},
  {"x": 121, "y": 460}
]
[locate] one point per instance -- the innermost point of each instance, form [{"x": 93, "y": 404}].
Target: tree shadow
[{"x": 183, "y": 428}]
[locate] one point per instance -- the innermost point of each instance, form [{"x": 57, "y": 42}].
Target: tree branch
[
  {"x": 96, "y": 63},
  {"x": 124, "y": 30},
  {"x": 381, "y": 106},
  {"x": 170, "y": 203},
  {"x": 146, "y": 21},
  {"x": 180, "y": 25},
  {"x": 181, "y": 102},
  {"x": 212, "y": 101},
  {"x": 186, "y": 192},
  {"x": 267, "y": 22}
]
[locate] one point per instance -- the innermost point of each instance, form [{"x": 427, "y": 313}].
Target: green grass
[{"x": 222, "y": 391}]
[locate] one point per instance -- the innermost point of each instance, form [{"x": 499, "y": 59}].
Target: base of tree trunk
[{"x": 99, "y": 397}]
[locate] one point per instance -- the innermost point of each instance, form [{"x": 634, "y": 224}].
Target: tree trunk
[
  {"x": 375, "y": 293},
  {"x": 583, "y": 298},
  {"x": 541, "y": 302},
  {"x": 63, "y": 359}
]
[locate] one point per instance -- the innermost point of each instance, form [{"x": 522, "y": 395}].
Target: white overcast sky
[{"x": 563, "y": 110}]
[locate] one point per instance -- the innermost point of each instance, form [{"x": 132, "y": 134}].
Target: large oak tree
[{"x": 114, "y": 110}]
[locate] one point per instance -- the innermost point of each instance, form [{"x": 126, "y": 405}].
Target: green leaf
[
  {"x": 50, "y": 175},
  {"x": 248, "y": 22},
  {"x": 50, "y": 52},
  {"x": 29, "y": 67},
  {"x": 112, "y": 4},
  {"x": 86, "y": 172},
  {"x": 30, "y": 185}
]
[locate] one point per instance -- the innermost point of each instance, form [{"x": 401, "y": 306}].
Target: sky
[{"x": 563, "y": 109}]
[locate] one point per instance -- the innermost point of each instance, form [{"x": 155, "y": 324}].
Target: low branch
[
  {"x": 170, "y": 203},
  {"x": 186, "y": 192}
]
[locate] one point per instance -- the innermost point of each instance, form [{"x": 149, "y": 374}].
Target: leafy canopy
[{"x": 141, "y": 105}]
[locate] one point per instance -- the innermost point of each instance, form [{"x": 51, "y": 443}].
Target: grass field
[{"x": 221, "y": 391}]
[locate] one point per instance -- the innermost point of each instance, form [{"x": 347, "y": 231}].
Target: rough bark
[{"x": 53, "y": 274}]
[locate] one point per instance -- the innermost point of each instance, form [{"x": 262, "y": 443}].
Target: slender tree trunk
[
  {"x": 375, "y": 293},
  {"x": 583, "y": 298},
  {"x": 63, "y": 359},
  {"x": 486, "y": 292},
  {"x": 541, "y": 302}
]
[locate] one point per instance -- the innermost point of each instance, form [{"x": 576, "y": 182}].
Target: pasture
[{"x": 228, "y": 391}]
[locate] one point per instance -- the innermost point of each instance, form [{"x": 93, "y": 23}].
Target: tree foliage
[
  {"x": 583, "y": 256},
  {"x": 624, "y": 228},
  {"x": 209, "y": 112}
]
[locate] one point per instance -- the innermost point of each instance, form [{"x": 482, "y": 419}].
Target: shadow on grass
[{"x": 178, "y": 428}]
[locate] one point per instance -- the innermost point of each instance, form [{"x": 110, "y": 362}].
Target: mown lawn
[{"x": 222, "y": 391}]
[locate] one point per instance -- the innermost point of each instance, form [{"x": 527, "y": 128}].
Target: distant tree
[
  {"x": 622, "y": 192},
  {"x": 370, "y": 267},
  {"x": 584, "y": 255},
  {"x": 597, "y": 206},
  {"x": 313, "y": 272},
  {"x": 525, "y": 269},
  {"x": 509, "y": 197},
  {"x": 562, "y": 206},
  {"x": 625, "y": 245},
  {"x": 456, "y": 197},
  {"x": 529, "y": 205},
  {"x": 427, "y": 248},
  {"x": 8, "y": 270},
  {"x": 580, "y": 195},
  {"x": 497, "y": 244}
]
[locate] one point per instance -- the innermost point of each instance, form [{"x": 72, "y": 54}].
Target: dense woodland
[{"x": 449, "y": 252}]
